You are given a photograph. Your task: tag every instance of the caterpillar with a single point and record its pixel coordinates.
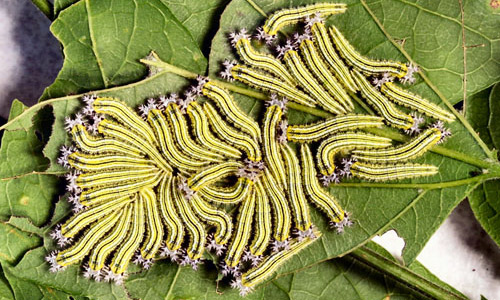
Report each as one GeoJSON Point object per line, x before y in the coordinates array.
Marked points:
{"type": "Point", "coordinates": [271, 150]}
{"type": "Point", "coordinates": [120, 111]}
{"type": "Point", "coordinates": [385, 172]}
{"type": "Point", "coordinates": [411, 150]}
{"type": "Point", "coordinates": [116, 176]}
{"type": "Point", "coordinates": [154, 237]}
{"type": "Point", "coordinates": [364, 64]}
{"type": "Point", "coordinates": [229, 108]}
{"type": "Point", "coordinates": [90, 238]}
{"type": "Point", "coordinates": [263, 61]}
{"type": "Point", "coordinates": [181, 135]}
{"type": "Point", "coordinates": [231, 135]}
{"type": "Point", "coordinates": [286, 17]}
{"type": "Point", "coordinates": [281, 209]}
{"type": "Point", "coordinates": [131, 243]}
{"type": "Point", "coordinates": [205, 137]}
{"type": "Point", "coordinates": [326, 202]}
{"type": "Point", "coordinates": [116, 131]}
{"type": "Point", "coordinates": [170, 215]}
{"type": "Point", "coordinates": [295, 190]}
{"type": "Point", "coordinates": [227, 195]}
{"type": "Point", "coordinates": [195, 228]}
{"type": "Point", "coordinates": [344, 141]}
{"type": "Point", "coordinates": [212, 174]}
{"type": "Point", "coordinates": [408, 99]}
{"type": "Point", "coordinates": [266, 269]}
{"type": "Point", "coordinates": [171, 151]}
{"type": "Point", "coordinates": [105, 246]}
{"type": "Point", "coordinates": [84, 141]}
{"type": "Point", "coordinates": [262, 221]}
{"type": "Point", "coordinates": [212, 216]}
{"type": "Point", "coordinates": [313, 132]}
{"type": "Point", "coordinates": [242, 231]}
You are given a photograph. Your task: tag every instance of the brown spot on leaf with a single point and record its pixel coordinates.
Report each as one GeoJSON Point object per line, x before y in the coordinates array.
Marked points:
{"type": "Point", "coordinates": [24, 200]}
{"type": "Point", "coordinates": [5, 256]}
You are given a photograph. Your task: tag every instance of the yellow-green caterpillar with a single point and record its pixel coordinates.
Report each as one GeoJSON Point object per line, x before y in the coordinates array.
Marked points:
{"type": "Point", "coordinates": [286, 17]}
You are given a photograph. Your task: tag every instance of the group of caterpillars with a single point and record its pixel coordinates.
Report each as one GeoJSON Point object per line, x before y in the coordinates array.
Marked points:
{"type": "Point", "coordinates": [157, 184]}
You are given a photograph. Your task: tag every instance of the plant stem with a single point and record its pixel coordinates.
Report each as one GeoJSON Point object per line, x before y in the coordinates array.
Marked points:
{"type": "Point", "coordinates": [45, 7]}
{"type": "Point", "coordinates": [58, 173]}
{"type": "Point", "coordinates": [424, 186]}
{"type": "Point", "coordinates": [403, 274]}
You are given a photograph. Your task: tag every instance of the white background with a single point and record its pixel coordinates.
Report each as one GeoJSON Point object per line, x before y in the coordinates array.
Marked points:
{"type": "Point", "coordinates": [460, 252]}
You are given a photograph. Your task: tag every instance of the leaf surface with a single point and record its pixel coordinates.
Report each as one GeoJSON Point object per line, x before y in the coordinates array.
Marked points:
{"type": "Point", "coordinates": [483, 110]}
{"type": "Point", "coordinates": [22, 192]}
{"type": "Point", "coordinates": [104, 40]}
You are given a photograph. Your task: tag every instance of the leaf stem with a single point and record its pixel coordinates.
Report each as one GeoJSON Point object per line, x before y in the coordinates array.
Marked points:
{"type": "Point", "coordinates": [459, 116]}
{"type": "Point", "coordinates": [257, 8]}
{"type": "Point", "coordinates": [33, 173]}
{"type": "Point", "coordinates": [386, 132]}
{"type": "Point", "coordinates": [34, 108]}
{"type": "Point", "coordinates": [424, 186]}
{"type": "Point", "coordinates": [45, 7]}
{"type": "Point", "coordinates": [403, 274]}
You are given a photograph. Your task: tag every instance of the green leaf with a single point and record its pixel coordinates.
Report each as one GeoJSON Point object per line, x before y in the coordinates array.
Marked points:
{"type": "Point", "coordinates": [5, 290]}
{"type": "Point", "coordinates": [485, 203]}
{"type": "Point", "coordinates": [14, 242]}
{"type": "Point", "coordinates": [483, 110]}
{"type": "Point", "coordinates": [94, 60]}
{"type": "Point", "coordinates": [59, 5]}
{"type": "Point", "coordinates": [415, 266]}
{"type": "Point", "coordinates": [31, 276]}
{"type": "Point", "coordinates": [24, 190]}
{"type": "Point", "coordinates": [102, 48]}
{"type": "Point", "coordinates": [479, 114]}
{"type": "Point", "coordinates": [198, 17]}
{"type": "Point", "coordinates": [326, 280]}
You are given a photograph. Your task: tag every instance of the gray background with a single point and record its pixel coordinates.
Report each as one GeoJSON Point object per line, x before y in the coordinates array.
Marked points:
{"type": "Point", "coordinates": [460, 252]}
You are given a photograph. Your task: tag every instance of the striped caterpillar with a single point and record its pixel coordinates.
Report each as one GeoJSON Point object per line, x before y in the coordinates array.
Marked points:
{"type": "Point", "coordinates": [149, 185]}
